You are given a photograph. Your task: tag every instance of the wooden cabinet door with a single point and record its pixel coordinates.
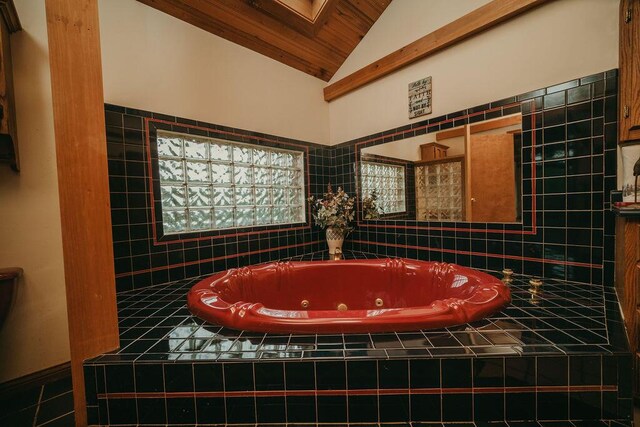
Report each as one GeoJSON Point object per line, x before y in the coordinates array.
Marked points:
{"type": "Point", "coordinates": [629, 82]}
{"type": "Point", "coordinates": [492, 181]}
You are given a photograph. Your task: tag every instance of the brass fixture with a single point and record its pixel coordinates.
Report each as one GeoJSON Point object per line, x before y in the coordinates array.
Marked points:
{"type": "Point", "coordinates": [304, 303]}
{"type": "Point", "coordinates": [337, 255]}
{"type": "Point", "coordinates": [507, 275]}
{"type": "Point", "coordinates": [535, 299]}
{"type": "Point", "coordinates": [536, 286]}
{"type": "Point", "coordinates": [342, 307]}
{"type": "Point", "coordinates": [379, 302]}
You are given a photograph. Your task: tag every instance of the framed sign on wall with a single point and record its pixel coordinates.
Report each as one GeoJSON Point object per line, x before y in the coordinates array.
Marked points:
{"type": "Point", "coordinates": [420, 98]}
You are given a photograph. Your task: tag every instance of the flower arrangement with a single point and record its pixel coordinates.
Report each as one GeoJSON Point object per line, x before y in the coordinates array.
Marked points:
{"type": "Point", "coordinates": [334, 210]}
{"type": "Point", "coordinates": [370, 209]}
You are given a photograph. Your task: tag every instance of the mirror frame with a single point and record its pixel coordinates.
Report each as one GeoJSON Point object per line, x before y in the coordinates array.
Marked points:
{"type": "Point", "coordinates": [528, 192]}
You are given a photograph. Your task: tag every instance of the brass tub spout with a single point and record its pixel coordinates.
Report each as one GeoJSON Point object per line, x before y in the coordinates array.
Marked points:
{"type": "Point", "coordinates": [337, 255]}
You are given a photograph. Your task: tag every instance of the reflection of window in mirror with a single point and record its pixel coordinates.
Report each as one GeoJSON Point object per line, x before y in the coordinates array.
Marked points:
{"type": "Point", "coordinates": [468, 173]}
{"type": "Point", "coordinates": [387, 178]}
{"type": "Point", "coordinates": [439, 189]}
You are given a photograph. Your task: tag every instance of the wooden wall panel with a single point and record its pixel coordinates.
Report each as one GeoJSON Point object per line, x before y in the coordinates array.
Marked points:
{"type": "Point", "coordinates": [78, 107]}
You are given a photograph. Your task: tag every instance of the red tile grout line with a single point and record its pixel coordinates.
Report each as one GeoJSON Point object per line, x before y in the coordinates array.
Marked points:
{"type": "Point", "coordinates": [200, 261]}
{"type": "Point", "coordinates": [454, 251]}
{"type": "Point", "coordinates": [358, 392]}
{"type": "Point", "coordinates": [533, 230]}
{"type": "Point", "coordinates": [157, 242]}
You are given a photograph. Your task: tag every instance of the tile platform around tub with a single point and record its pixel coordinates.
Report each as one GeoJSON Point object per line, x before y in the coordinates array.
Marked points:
{"type": "Point", "coordinates": [558, 359]}
{"type": "Point", "coordinates": [417, 424]}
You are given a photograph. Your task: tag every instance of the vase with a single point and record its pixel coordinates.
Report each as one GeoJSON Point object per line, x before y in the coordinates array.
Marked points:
{"type": "Point", "coordinates": [334, 240]}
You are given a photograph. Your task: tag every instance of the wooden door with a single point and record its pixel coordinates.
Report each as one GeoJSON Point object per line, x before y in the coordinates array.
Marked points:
{"type": "Point", "coordinates": [629, 90]}
{"type": "Point", "coordinates": [492, 183]}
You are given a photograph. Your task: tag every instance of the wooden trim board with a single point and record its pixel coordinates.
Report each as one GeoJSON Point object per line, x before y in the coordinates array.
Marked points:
{"type": "Point", "coordinates": [81, 154]}
{"type": "Point", "coordinates": [475, 22]}
{"type": "Point", "coordinates": [468, 205]}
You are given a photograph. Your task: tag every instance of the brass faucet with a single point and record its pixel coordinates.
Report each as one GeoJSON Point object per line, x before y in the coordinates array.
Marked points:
{"type": "Point", "coordinates": [536, 291]}
{"type": "Point", "coordinates": [337, 254]}
{"type": "Point", "coordinates": [507, 279]}
{"type": "Point", "coordinates": [536, 286]}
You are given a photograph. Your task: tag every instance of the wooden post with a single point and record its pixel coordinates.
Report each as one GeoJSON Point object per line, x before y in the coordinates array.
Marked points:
{"type": "Point", "coordinates": [78, 109]}
{"type": "Point", "coordinates": [468, 195]}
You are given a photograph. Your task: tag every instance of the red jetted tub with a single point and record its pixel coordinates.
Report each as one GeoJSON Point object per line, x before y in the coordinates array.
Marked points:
{"type": "Point", "coordinates": [379, 295]}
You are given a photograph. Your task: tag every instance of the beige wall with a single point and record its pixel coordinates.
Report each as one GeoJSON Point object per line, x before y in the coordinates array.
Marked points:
{"type": "Point", "coordinates": [35, 335]}
{"type": "Point", "coordinates": [155, 62]}
{"type": "Point", "coordinates": [559, 41]}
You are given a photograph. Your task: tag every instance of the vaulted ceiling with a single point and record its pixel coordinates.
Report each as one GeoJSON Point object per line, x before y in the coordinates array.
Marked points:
{"type": "Point", "coordinates": [313, 36]}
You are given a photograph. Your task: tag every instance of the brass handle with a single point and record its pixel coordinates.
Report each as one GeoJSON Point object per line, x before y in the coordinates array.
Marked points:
{"type": "Point", "coordinates": [473, 199]}
{"type": "Point", "coordinates": [507, 275]}
{"type": "Point", "coordinates": [304, 303]}
{"type": "Point", "coordinates": [379, 302]}
{"type": "Point", "coordinates": [342, 307]}
{"type": "Point", "coordinates": [536, 286]}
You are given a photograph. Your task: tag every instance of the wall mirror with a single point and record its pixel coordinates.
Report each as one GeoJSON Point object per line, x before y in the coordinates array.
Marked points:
{"type": "Point", "coordinates": [470, 173]}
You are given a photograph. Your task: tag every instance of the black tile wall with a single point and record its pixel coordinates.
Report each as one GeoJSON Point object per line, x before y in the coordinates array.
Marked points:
{"type": "Point", "coordinates": [569, 156]}
{"type": "Point", "coordinates": [142, 256]}
{"type": "Point", "coordinates": [569, 133]}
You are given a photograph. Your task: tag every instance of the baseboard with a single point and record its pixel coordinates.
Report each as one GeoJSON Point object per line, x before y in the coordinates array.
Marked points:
{"type": "Point", "coordinates": [35, 379]}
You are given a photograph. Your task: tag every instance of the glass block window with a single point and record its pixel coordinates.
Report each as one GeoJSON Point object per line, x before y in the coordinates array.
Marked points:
{"type": "Point", "coordinates": [439, 193]}
{"type": "Point", "coordinates": [388, 181]}
{"type": "Point", "coordinates": [211, 184]}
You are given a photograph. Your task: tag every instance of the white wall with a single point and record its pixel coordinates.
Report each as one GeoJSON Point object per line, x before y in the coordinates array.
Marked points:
{"type": "Point", "coordinates": [155, 62]}
{"type": "Point", "coordinates": [558, 41]}
{"type": "Point", "coordinates": [35, 335]}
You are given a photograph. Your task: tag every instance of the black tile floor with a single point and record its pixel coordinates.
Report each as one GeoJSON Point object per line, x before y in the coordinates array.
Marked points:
{"type": "Point", "coordinates": [49, 405]}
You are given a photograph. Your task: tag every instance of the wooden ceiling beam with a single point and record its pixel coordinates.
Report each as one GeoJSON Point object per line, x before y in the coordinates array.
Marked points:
{"type": "Point", "coordinates": [477, 21]}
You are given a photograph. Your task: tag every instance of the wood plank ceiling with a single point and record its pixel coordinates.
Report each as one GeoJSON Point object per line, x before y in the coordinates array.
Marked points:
{"type": "Point", "coordinates": [313, 36]}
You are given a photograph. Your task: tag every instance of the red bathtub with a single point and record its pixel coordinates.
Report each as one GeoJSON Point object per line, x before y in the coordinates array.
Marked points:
{"type": "Point", "coordinates": [379, 295]}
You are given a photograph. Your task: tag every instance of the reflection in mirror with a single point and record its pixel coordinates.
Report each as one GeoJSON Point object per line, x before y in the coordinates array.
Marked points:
{"type": "Point", "coordinates": [467, 173]}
